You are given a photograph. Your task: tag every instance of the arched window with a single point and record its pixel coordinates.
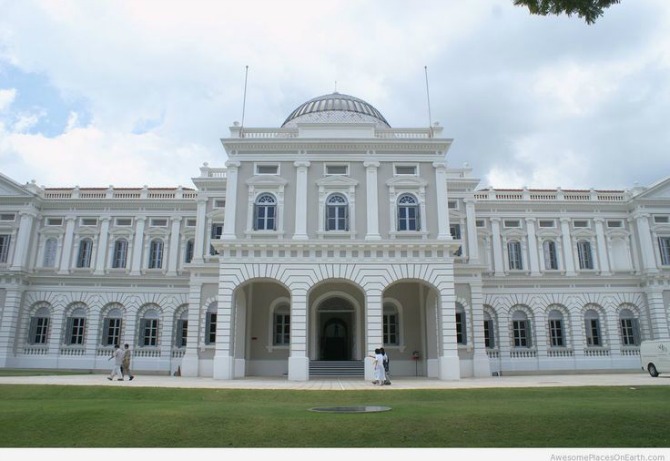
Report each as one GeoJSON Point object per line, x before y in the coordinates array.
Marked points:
{"type": "Point", "coordinates": [190, 247]}
{"type": "Point", "coordinates": [584, 254]}
{"type": "Point", "coordinates": [265, 212]}
{"type": "Point", "coordinates": [521, 329]}
{"type": "Point", "coordinates": [76, 323]}
{"type": "Point", "coordinates": [550, 255]}
{"type": "Point", "coordinates": [50, 248]}
{"type": "Point", "coordinates": [514, 255]}
{"type": "Point", "coordinates": [156, 254]}
{"type": "Point", "coordinates": [39, 326]}
{"type": "Point", "coordinates": [592, 328]}
{"type": "Point", "coordinates": [556, 329]}
{"type": "Point", "coordinates": [111, 327]}
{"type": "Point", "coordinates": [337, 213]}
{"type": "Point", "coordinates": [149, 328]}
{"type": "Point", "coordinates": [489, 332]}
{"type": "Point", "coordinates": [282, 325]}
{"type": "Point", "coordinates": [120, 255]}
{"type": "Point", "coordinates": [85, 252]}
{"type": "Point", "coordinates": [630, 328]}
{"type": "Point", "coordinates": [461, 329]}
{"type": "Point", "coordinates": [391, 325]}
{"type": "Point", "coordinates": [408, 213]}
{"type": "Point", "coordinates": [210, 324]}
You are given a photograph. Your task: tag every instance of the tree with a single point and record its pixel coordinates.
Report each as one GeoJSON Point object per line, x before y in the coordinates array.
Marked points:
{"type": "Point", "coordinates": [590, 10]}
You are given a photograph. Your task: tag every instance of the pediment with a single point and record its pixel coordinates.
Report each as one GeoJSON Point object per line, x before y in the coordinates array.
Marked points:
{"type": "Point", "coordinates": [659, 190]}
{"type": "Point", "coordinates": [407, 181]}
{"type": "Point", "coordinates": [266, 180]}
{"type": "Point", "coordinates": [337, 181]}
{"type": "Point", "coordinates": [10, 188]}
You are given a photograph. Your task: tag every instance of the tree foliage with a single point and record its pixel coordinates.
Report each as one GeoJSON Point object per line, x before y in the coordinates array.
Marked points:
{"type": "Point", "coordinates": [589, 10]}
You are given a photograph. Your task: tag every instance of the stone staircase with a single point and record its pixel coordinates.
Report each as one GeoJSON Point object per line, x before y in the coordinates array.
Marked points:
{"type": "Point", "coordinates": [336, 369]}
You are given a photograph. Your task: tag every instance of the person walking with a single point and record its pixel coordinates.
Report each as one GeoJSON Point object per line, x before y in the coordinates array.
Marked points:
{"type": "Point", "coordinates": [117, 355]}
{"type": "Point", "coordinates": [125, 367]}
{"type": "Point", "coordinates": [380, 376]}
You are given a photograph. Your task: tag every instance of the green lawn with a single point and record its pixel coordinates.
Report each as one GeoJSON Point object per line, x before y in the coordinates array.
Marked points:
{"type": "Point", "coordinates": [96, 416]}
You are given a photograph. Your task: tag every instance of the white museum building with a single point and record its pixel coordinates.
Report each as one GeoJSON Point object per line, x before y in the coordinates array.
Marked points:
{"type": "Point", "coordinates": [316, 242]}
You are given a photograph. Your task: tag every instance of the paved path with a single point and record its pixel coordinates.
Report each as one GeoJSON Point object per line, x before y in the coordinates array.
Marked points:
{"type": "Point", "coordinates": [602, 379]}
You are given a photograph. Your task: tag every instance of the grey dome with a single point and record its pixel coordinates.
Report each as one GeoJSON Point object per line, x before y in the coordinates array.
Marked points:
{"type": "Point", "coordinates": [336, 108]}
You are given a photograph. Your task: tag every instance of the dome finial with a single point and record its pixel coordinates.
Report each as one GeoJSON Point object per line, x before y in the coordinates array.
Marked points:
{"type": "Point", "coordinates": [335, 87]}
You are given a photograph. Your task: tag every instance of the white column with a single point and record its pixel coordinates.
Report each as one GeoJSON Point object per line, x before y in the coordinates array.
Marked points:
{"type": "Point", "coordinates": [374, 335]}
{"type": "Point", "coordinates": [200, 229]}
{"type": "Point", "coordinates": [373, 200]}
{"type": "Point", "coordinates": [102, 246]}
{"type": "Point", "coordinates": [532, 247]}
{"type": "Point", "coordinates": [567, 248]}
{"type": "Point", "coordinates": [231, 199]}
{"type": "Point", "coordinates": [225, 321]}
{"type": "Point", "coordinates": [658, 311]}
{"type": "Point", "coordinates": [442, 200]}
{"type": "Point", "coordinates": [138, 246]}
{"type": "Point", "coordinates": [9, 324]}
{"type": "Point", "coordinates": [190, 361]}
{"type": "Point", "coordinates": [66, 254]}
{"type": "Point", "coordinates": [646, 244]}
{"type": "Point", "coordinates": [298, 362]}
{"type": "Point", "coordinates": [603, 257]}
{"type": "Point", "coordinates": [173, 254]}
{"type": "Point", "coordinates": [482, 367]}
{"type": "Point", "coordinates": [496, 242]}
{"type": "Point", "coordinates": [471, 223]}
{"type": "Point", "coordinates": [301, 200]}
{"type": "Point", "coordinates": [449, 363]}
{"type": "Point", "coordinates": [23, 240]}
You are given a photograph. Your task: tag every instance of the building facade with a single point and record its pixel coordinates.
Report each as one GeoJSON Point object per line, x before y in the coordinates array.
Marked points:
{"type": "Point", "coordinates": [322, 240]}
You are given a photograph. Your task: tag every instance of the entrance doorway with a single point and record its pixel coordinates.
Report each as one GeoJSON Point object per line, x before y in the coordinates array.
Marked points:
{"type": "Point", "coordinates": [335, 322]}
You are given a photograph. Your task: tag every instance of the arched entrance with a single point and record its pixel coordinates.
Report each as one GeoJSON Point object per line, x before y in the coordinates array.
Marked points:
{"type": "Point", "coordinates": [335, 320]}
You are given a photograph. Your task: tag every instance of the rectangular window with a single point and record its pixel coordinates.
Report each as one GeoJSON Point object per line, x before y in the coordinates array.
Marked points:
{"type": "Point", "coordinates": [547, 223]}
{"type": "Point", "coordinates": [39, 328]}
{"type": "Point", "coordinates": [158, 222]}
{"type": "Point", "coordinates": [480, 223]}
{"type": "Point", "coordinates": [54, 221]}
{"type": "Point", "coordinates": [455, 231]}
{"type": "Point", "coordinates": [489, 340]}
{"type": "Point", "coordinates": [584, 254]}
{"type": "Point", "coordinates": [592, 332]}
{"type": "Point", "coordinates": [514, 255]}
{"type": "Point", "coordinates": [453, 204]}
{"type": "Point", "coordinates": [89, 222]}
{"type": "Point", "coordinates": [216, 233]}
{"type": "Point", "coordinates": [661, 219]}
{"type": "Point", "coordinates": [7, 217]}
{"type": "Point", "coordinates": [405, 170]}
{"type": "Point", "coordinates": [111, 332]}
{"type": "Point", "coordinates": [210, 328]}
{"type": "Point", "coordinates": [629, 329]}
{"type": "Point", "coordinates": [460, 329]}
{"type": "Point", "coordinates": [580, 224]}
{"type": "Point", "coordinates": [191, 222]}
{"type": "Point", "coordinates": [390, 329]}
{"type": "Point", "coordinates": [520, 328]}
{"type": "Point", "coordinates": [282, 336]}
{"type": "Point", "coordinates": [614, 224]}
{"type": "Point", "coordinates": [556, 333]}
{"type": "Point", "coordinates": [267, 169]}
{"type": "Point", "coordinates": [182, 333]}
{"type": "Point", "coordinates": [512, 223]}
{"type": "Point", "coordinates": [149, 332]}
{"type": "Point", "coordinates": [219, 203]}
{"type": "Point", "coordinates": [85, 252]}
{"type": "Point", "coordinates": [664, 248]}
{"type": "Point", "coordinates": [550, 255]}
{"type": "Point", "coordinates": [123, 222]}
{"type": "Point", "coordinates": [337, 170]}
{"type": "Point", "coordinates": [5, 239]}
{"type": "Point", "coordinates": [76, 330]}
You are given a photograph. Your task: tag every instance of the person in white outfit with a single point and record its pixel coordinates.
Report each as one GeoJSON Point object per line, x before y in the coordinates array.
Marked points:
{"type": "Point", "coordinates": [380, 376]}
{"type": "Point", "coordinates": [117, 355]}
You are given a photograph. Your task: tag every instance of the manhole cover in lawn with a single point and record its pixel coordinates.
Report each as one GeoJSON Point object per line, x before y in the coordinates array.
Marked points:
{"type": "Point", "coordinates": [363, 409]}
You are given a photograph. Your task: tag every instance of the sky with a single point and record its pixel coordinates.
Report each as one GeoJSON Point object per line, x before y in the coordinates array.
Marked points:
{"type": "Point", "coordinates": [139, 92]}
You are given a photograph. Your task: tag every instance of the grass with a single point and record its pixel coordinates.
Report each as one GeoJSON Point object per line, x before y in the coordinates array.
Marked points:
{"type": "Point", "coordinates": [97, 417]}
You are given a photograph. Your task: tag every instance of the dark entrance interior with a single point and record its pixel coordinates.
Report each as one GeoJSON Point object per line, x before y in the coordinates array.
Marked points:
{"type": "Point", "coordinates": [335, 340]}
